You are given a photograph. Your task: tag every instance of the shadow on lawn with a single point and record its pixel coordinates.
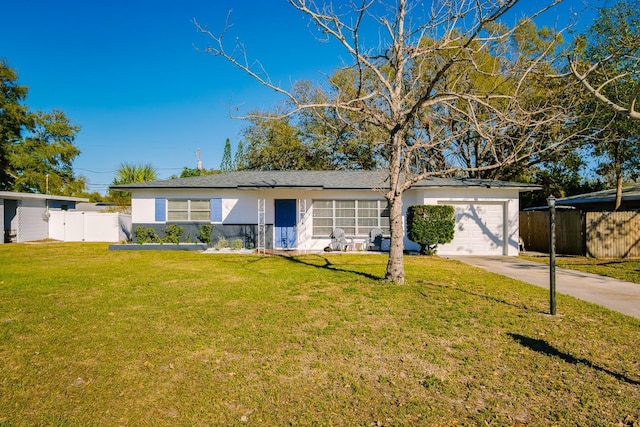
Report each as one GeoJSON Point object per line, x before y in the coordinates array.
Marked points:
{"type": "Point", "coordinates": [328, 265]}
{"type": "Point", "coordinates": [544, 347]}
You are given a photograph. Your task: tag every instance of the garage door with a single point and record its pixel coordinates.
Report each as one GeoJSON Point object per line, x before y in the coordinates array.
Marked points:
{"type": "Point", "coordinates": [479, 230]}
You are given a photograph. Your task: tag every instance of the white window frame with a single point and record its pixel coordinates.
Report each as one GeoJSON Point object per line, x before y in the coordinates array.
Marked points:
{"type": "Point", "coordinates": [357, 229]}
{"type": "Point", "coordinates": [189, 210]}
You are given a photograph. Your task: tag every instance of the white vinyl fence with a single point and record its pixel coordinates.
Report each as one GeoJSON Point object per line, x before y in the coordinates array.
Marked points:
{"type": "Point", "coordinates": [69, 226]}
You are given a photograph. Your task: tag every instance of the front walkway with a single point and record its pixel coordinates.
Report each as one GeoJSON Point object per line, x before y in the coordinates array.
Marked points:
{"type": "Point", "coordinates": [611, 293]}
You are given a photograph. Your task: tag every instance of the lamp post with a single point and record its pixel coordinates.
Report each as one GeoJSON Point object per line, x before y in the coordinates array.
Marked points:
{"type": "Point", "coordinates": [551, 201]}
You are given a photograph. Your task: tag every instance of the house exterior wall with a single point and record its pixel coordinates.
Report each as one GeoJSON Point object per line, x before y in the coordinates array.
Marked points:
{"type": "Point", "coordinates": [240, 214]}
{"type": "Point", "coordinates": [32, 224]}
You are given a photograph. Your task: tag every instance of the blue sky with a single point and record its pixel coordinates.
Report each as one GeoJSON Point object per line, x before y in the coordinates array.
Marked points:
{"type": "Point", "coordinates": [128, 72]}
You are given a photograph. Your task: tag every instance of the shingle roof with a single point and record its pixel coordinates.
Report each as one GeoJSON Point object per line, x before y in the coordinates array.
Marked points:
{"type": "Point", "coordinates": [604, 196]}
{"type": "Point", "coordinates": [343, 180]}
{"type": "Point", "coordinates": [20, 196]}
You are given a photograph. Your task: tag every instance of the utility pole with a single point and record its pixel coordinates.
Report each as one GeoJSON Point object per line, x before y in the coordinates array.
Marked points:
{"type": "Point", "coordinates": [198, 161]}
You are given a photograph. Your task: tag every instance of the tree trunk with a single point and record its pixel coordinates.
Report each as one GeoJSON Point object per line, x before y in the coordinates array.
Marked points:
{"type": "Point", "coordinates": [618, 190]}
{"type": "Point", "coordinates": [395, 265]}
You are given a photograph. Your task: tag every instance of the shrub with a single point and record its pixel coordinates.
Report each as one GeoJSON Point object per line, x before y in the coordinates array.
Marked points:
{"type": "Point", "coordinates": [204, 233]}
{"type": "Point", "coordinates": [172, 234]}
{"type": "Point", "coordinates": [430, 225]}
{"type": "Point", "coordinates": [237, 244]}
{"type": "Point", "coordinates": [146, 235]}
{"type": "Point", "coordinates": [222, 243]}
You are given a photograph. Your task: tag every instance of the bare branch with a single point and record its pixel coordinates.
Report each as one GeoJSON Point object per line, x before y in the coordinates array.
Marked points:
{"type": "Point", "coordinates": [583, 78]}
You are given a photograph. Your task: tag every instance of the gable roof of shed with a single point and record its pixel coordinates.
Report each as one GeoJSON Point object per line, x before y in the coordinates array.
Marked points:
{"type": "Point", "coordinates": [320, 180]}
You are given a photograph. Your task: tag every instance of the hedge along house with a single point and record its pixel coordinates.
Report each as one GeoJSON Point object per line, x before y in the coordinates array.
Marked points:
{"type": "Point", "coordinates": [25, 216]}
{"type": "Point", "coordinates": [298, 210]}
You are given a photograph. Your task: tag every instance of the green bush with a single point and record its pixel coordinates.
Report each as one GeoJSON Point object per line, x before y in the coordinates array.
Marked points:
{"type": "Point", "coordinates": [146, 235]}
{"type": "Point", "coordinates": [237, 244]}
{"type": "Point", "coordinates": [222, 243]}
{"type": "Point", "coordinates": [204, 233]}
{"type": "Point", "coordinates": [172, 234]}
{"type": "Point", "coordinates": [430, 225]}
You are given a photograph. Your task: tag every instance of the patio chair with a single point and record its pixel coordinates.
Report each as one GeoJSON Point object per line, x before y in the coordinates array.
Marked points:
{"type": "Point", "coordinates": [374, 242]}
{"type": "Point", "coordinates": [339, 242]}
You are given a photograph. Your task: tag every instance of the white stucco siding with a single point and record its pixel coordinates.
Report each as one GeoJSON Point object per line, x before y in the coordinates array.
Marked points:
{"type": "Point", "coordinates": [32, 224]}
{"type": "Point", "coordinates": [143, 208]}
{"type": "Point", "coordinates": [237, 207]}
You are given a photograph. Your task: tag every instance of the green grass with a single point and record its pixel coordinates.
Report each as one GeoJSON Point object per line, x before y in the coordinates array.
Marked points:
{"type": "Point", "coordinates": [93, 337]}
{"type": "Point", "coordinates": [622, 269]}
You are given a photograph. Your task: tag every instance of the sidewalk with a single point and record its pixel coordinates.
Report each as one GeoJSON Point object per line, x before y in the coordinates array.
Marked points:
{"type": "Point", "coordinates": [617, 295]}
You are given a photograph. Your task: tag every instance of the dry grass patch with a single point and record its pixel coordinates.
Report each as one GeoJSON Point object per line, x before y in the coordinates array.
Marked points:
{"type": "Point", "coordinates": [92, 337]}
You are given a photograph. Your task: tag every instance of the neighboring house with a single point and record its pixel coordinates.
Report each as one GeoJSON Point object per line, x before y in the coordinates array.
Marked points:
{"type": "Point", "coordinates": [604, 200]}
{"type": "Point", "coordinates": [25, 216]}
{"type": "Point", "coordinates": [94, 207]}
{"type": "Point", "coordinates": [300, 209]}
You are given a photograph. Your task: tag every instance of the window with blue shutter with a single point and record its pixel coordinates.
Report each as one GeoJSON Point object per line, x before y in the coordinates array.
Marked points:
{"type": "Point", "coordinates": [161, 210]}
{"type": "Point", "coordinates": [216, 210]}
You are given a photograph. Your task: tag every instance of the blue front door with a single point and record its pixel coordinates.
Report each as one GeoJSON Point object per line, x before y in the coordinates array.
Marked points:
{"type": "Point", "coordinates": [285, 223]}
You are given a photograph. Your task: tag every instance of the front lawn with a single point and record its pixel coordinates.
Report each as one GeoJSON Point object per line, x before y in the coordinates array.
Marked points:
{"type": "Point", "coordinates": [107, 338]}
{"type": "Point", "coordinates": [622, 269]}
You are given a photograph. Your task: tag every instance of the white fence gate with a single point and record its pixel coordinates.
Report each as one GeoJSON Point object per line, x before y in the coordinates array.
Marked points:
{"type": "Point", "coordinates": [89, 226]}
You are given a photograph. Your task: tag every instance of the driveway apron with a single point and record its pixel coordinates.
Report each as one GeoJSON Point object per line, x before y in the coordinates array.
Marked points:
{"type": "Point", "coordinates": [617, 295]}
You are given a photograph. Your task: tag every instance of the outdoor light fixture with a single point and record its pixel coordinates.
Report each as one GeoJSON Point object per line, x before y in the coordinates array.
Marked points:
{"type": "Point", "coordinates": [551, 201]}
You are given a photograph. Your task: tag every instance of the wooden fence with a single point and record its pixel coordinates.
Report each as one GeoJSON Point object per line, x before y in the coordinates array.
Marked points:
{"type": "Point", "coordinates": [612, 234]}
{"type": "Point", "coordinates": [595, 234]}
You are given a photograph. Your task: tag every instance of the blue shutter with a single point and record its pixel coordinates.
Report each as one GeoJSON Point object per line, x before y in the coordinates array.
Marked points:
{"type": "Point", "coordinates": [161, 210]}
{"type": "Point", "coordinates": [216, 210]}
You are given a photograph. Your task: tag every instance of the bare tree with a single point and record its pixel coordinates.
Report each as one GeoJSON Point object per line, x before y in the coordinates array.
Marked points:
{"type": "Point", "coordinates": [439, 71]}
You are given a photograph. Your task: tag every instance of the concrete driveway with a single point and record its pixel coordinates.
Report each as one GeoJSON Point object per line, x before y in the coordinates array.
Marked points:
{"type": "Point", "coordinates": [611, 293]}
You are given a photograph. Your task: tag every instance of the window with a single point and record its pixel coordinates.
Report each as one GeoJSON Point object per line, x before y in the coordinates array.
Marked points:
{"type": "Point", "coordinates": [355, 217]}
{"type": "Point", "coordinates": [188, 210]}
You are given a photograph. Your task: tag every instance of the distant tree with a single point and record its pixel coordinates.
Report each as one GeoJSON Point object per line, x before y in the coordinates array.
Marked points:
{"type": "Point", "coordinates": [226, 165]}
{"type": "Point", "coordinates": [558, 179]}
{"type": "Point", "coordinates": [607, 62]}
{"type": "Point", "coordinates": [36, 148]}
{"type": "Point", "coordinates": [334, 144]}
{"type": "Point", "coordinates": [239, 160]}
{"type": "Point", "coordinates": [275, 145]}
{"type": "Point", "coordinates": [189, 172]}
{"type": "Point", "coordinates": [129, 173]}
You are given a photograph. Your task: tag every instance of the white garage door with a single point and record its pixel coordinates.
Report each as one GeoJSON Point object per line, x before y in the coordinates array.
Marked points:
{"type": "Point", "coordinates": [479, 230]}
